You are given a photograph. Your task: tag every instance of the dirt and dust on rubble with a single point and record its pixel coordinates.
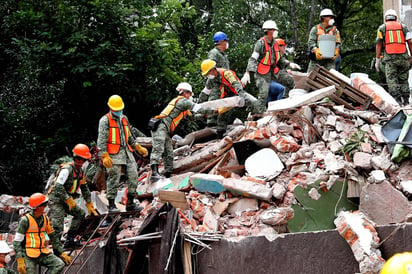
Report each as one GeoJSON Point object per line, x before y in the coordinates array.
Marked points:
{"type": "Point", "coordinates": [338, 146]}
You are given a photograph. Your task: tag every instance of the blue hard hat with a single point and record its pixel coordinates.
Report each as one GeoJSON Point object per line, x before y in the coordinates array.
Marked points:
{"type": "Point", "coordinates": [219, 36]}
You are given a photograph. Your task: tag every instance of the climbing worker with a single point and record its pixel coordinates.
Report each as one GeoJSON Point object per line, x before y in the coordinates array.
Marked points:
{"type": "Point", "coordinates": [116, 143]}
{"type": "Point", "coordinates": [325, 27]}
{"type": "Point", "coordinates": [68, 180]}
{"type": "Point", "coordinates": [30, 242]}
{"type": "Point", "coordinates": [392, 40]}
{"type": "Point", "coordinates": [225, 83]}
{"type": "Point", "coordinates": [5, 258]}
{"type": "Point", "coordinates": [163, 125]}
{"type": "Point", "coordinates": [265, 61]}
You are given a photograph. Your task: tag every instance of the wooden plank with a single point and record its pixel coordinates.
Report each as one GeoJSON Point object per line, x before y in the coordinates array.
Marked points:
{"type": "Point", "coordinates": [176, 198]}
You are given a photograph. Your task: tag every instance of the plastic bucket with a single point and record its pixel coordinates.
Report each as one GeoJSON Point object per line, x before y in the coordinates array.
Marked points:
{"type": "Point", "coordinates": [327, 44]}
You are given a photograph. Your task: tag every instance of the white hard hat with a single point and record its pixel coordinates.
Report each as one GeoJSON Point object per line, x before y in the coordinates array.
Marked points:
{"type": "Point", "coordinates": [326, 12]}
{"type": "Point", "coordinates": [183, 87]}
{"type": "Point", "coordinates": [269, 24]}
{"type": "Point", "coordinates": [390, 15]}
{"type": "Point", "coordinates": [4, 247]}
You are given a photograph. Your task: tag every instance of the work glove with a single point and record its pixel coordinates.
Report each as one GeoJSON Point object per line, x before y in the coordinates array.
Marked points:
{"type": "Point", "coordinates": [142, 150]}
{"type": "Point", "coordinates": [222, 110]}
{"type": "Point", "coordinates": [294, 66]}
{"type": "Point", "coordinates": [245, 79]}
{"type": "Point", "coordinates": [71, 203]}
{"type": "Point", "coordinates": [21, 265]}
{"type": "Point", "coordinates": [66, 258]}
{"type": "Point", "coordinates": [377, 64]}
{"type": "Point", "coordinates": [336, 54]}
{"type": "Point", "coordinates": [317, 53]}
{"type": "Point", "coordinates": [90, 209]}
{"type": "Point", "coordinates": [107, 161]}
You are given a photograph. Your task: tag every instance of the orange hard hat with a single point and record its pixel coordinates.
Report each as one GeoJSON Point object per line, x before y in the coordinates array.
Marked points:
{"type": "Point", "coordinates": [37, 199]}
{"type": "Point", "coordinates": [280, 42]}
{"type": "Point", "coordinates": [82, 151]}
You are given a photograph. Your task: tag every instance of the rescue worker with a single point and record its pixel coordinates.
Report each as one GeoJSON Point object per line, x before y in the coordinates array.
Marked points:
{"type": "Point", "coordinates": [392, 39]}
{"type": "Point", "coordinates": [265, 61]}
{"type": "Point", "coordinates": [167, 121]}
{"type": "Point", "coordinates": [225, 83]}
{"type": "Point", "coordinates": [400, 263]}
{"type": "Point", "coordinates": [5, 258]}
{"type": "Point", "coordinates": [69, 178]}
{"type": "Point", "coordinates": [34, 231]}
{"type": "Point", "coordinates": [116, 144]}
{"type": "Point", "coordinates": [326, 26]}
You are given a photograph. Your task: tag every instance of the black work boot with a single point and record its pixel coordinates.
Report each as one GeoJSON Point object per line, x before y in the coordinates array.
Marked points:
{"type": "Point", "coordinates": [112, 206]}
{"type": "Point", "coordinates": [155, 173]}
{"type": "Point", "coordinates": [131, 206]}
{"type": "Point", "coordinates": [168, 174]}
{"type": "Point", "coordinates": [70, 242]}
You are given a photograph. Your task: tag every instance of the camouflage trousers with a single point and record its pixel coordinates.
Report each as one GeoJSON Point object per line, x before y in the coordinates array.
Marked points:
{"type": "Point", "coordinates": [57, 213]}
{"type": "Point", "coordinates": [326, 63]}
{"type": "Point", "coordinates": [212, 118]}
{"type": "Point", "coordinates": [54, 264]}
{"type": "Point", "coordinates": [113, 179]}
{"type": "Point", "coordinates": [397, 73]}
{"type": "Point", "coordinates": [285, 79]}
{"type": "Point", "coordinates": [162, 148]}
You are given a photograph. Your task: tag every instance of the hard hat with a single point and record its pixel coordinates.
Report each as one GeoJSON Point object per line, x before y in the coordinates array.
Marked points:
{"type": "Point", "coordinates": [390, 15]}
{"type": "Point", "coordinates": [219, 36]}
{"type": "Point", "coordinates": [269, 24]}
{"type": "Point", "coordinates": [207, 65]}
{"type": "Point", "coordinates": [280, 42]}
{"type": "Point", "coordinates": [37, 199]}
{"type": "Point", "coordinates": [326, 12]}
{"type": "Point", "coordinates": [82, 151]}
{"type": "Point", "coordinates": [400, 263]}
{"type": "Point", "coordinates": [182, 87]}
{"type": "Point", "coordinates": [4, 247]}
{"type": "Point", "coordinates": [115, 103]}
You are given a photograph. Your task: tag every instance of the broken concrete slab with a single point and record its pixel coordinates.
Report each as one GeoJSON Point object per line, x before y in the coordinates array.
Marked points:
{"type": "Point", "coordinates": [207, 182]}
{"type": "Point", "coordinates": [264, 163]}
{"type": "Point", "coordinates": [248, 189]}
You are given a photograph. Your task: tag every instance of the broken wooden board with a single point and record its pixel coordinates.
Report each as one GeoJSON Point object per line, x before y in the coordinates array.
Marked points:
{"type": "Point", "coordinates": [315, 215]}
{"type": "Point", "coordinates": [176, 198]}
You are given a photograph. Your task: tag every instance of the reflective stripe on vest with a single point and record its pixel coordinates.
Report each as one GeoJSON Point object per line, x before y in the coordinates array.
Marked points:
{"type": "Point", "coordinates": [169, 108]}
{"type": "Point", "coordinates": [226, 83]}
{"type": "Point", "coordinates": [265, 63]}
{"type": "Point", "coordinates": [394, 38]}
{"type": "Point", "coordinates": [113, 142]}
{"type": "Point", "coordinates": [321, 31]}
{"type": "Point", "coordinates": [36, 237]}
{"type": "Point", "coordinates": [78, 179]}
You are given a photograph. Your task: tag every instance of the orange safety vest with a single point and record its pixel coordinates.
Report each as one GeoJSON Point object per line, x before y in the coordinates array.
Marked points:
{"type": "Point", "coordinates": [394, 38]}
{"type": "Point", "coordinates": [321, 31]}
{"type": "Point", "coordinates": [265, 63]}
{"type": "Point", "coordinates": [226, 83]}
{"type": "Point", "coordinates": [78, 179]}
{"type": "Point", "coordinates": [113, 142]}
{"type": "Point", "coordinates": [169, 108]}
{"type": "Point", "coordinates": [36, 237]}
{"type": "Point", "coordinates": [2, 265]}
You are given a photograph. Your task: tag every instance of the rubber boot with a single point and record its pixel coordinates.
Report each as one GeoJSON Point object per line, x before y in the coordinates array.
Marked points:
{"type": "Point", "coordinates": [155, 173]}
{"type": "Point", "coordinates": [168, 174]}
{"type": "Point", "coordinates": [112, 206]}
{"type": "Point", "coordinates": [131, 206]}
{"type": "Point", "coordinates": [70, 242]}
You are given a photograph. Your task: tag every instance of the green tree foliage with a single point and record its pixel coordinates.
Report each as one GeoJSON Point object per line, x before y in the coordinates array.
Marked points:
{"type": "Point", "coordinates": [62, 59]}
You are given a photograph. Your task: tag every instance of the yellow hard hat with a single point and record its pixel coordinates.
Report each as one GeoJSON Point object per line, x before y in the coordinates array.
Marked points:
{"type": "Point", "coordinates": [400, 263]}
{"type": "Point", "coordinates": [207, 65]}
{"type": "Point", "coordinates": [115, 103]}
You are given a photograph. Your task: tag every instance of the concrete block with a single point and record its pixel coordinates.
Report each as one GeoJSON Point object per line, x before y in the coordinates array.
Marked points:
{"type": "Point", "coordinates": [248, 189]}
{"type": "Point", "coordinates": [264, 163]}
{"type": "Point", "coordinates": [277, 216]}
{"type": "Point", "coordinates": [362, 160]}
{"type": "Point", "coordinates": [244, 204]}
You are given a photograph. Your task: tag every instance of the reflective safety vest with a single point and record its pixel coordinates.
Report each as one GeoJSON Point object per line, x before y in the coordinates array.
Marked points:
{"type": "Point", "coordinates": [169, 108]}
{"type": "Point", "coordinates": [321, 31]}
{"type": "Point", "coordinates": [2, 265]}
{"type": "Point", "coordinates": [394, 38]}
{"type": "Point", "coordinates": [265, 65]}
{"type": "Point", "coordinates": [113, 142]}
{"type": "Point", "coordinates": [78, 179]}
{"type": "Point", "coordinates": [226, 84]}
{"type": "Point", "coordinates": [36, 237]}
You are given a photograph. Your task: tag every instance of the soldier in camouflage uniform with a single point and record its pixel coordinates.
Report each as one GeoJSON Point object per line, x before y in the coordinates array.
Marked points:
{"type": "Point", "coordinates": [69, 179]}
{"type": "Point", "coordinates": [265, 62]}
{"type": "Point", "coordinates": [30, 244]}
{"type": "Point", "coordinates": [224, 83]}
{"type": "Point", "coordinates": [325, 26]}
{"type": "Point", "coordinates": [392, 37]}
{"type": "Point", "coordinates": [169, 119]}
{"type": "Point", "coordinates": [116, 144]}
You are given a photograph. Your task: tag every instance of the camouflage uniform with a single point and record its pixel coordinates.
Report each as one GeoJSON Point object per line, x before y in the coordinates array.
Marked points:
{"type": "Point", "coordinates": [59, 193]}
{"type": "Point", "coordinates": [396, 69]}
{"type": "Point", "coordinates": [124, 157]}
{"type": "Point", "coordinates": [162, 143]}
{"type": "Point", "coordinates": [51, 261]}
{"type": "Point", "coordinates": [6, 270]}
{"type": "Point", "coordinates": [263, 80]}
{"type": "Point", "coordinates": [313, 43]}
